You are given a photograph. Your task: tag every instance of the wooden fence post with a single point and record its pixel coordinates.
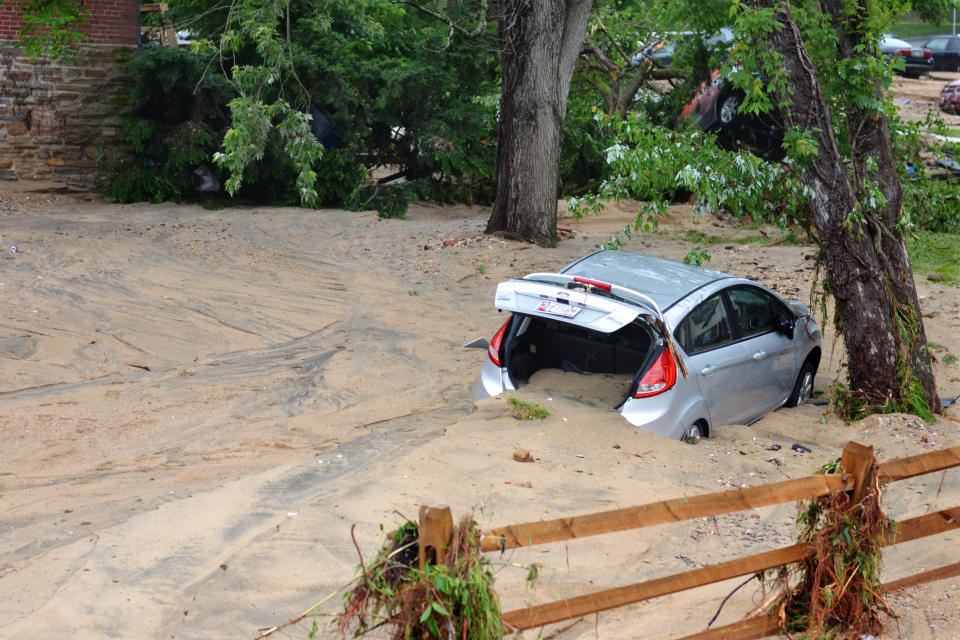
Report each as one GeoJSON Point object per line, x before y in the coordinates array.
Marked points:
{"type": "Point", "coordinates": [436, 529]}
{"type": "Point", "coordinates": [857, 460]}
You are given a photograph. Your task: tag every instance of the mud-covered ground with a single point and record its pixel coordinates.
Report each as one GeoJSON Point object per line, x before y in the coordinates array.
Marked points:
{"type": "Point", "coordinates": [196, 406]}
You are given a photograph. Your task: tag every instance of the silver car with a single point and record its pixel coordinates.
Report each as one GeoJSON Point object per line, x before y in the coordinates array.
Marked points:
{"type": "Point", "coordinates": [700, 348]}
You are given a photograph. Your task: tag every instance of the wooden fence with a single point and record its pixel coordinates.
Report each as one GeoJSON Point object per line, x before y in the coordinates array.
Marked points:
{"type": "Point", "coordinates": [436, 524]}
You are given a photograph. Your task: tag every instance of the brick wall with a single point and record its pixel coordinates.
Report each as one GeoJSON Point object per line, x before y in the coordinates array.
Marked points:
{"type": "Point", "coordinates": [109, 21]}
{"type": "Point", "coordinates": [56, 118]}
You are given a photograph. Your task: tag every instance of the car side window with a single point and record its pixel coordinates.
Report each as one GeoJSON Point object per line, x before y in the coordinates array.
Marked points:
{"type": "Point", "coordinates": [955, 44]}
{"type": "Point", "coordinates": [937, 44]}
{"type": "Point", "coordinates": [755, 310]}
{"type": "Point", "coordinates": [706, 327]}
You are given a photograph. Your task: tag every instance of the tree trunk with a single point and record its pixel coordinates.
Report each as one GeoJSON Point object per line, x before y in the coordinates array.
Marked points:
{"type": "Point", "coordinates": [539, 44]}
{"type": "Point", "coordinates": [869, 134]}
{"type": "Point", "coordinates": [866, 283]}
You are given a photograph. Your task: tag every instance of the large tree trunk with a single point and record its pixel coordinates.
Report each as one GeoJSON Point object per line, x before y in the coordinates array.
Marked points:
{"type": "Point", "coordinates": [870, 139]}
{"type": "Point", "coordinates": [867, 284]}
{"type": "Point", "coordinates": [539, 45]}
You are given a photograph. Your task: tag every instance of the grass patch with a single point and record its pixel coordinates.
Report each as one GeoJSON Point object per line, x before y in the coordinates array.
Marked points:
{"type": "Point", "coordinates": [523, 410]}
{"type": "Point", "coordinates": [790, 237]}
{"type": "Point", "coordinates": [935, 253]}
{"type": "Point", "coordinates": [912, 27]}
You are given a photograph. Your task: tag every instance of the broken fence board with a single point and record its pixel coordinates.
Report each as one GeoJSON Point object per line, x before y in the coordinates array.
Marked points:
{"type": "Point", "coordinates": [930, 462]}
{"type": "Point", "coordinates": [540, 615]}
{"type": "Point", "coordinates": [531, 533]}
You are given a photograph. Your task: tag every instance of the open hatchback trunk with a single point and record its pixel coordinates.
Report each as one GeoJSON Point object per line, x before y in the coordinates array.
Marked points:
{"type": "Point", "coordinates": [573, 324]}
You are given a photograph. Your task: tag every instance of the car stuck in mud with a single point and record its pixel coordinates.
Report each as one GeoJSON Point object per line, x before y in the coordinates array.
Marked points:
{"type": "Point", "coordinates": [693, 348]}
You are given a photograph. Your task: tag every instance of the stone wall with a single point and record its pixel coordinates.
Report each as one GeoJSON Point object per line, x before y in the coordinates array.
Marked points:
{"type": "Point", "coordinates": [57, 117]}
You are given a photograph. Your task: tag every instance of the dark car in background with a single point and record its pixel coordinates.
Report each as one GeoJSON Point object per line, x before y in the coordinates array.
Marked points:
{"type": "Point", "coordinates": [946, 52]}
{"type": "Point", "coordinates": [916, 60]}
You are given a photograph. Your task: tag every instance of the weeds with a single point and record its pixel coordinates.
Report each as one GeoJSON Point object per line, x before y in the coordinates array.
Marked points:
{"type": "Point", "coordinates": [523, 410]}
{"type": "Point", "coordinates": [452, 599]}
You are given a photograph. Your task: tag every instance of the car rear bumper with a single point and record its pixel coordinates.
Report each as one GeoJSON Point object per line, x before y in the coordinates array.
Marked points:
{"type": "Point", "coordinates": [493, 381]}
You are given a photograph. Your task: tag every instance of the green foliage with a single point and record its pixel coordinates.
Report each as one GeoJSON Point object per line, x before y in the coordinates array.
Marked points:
{"type": "Point", "coordinates": [523, 410]}
{"type": "Point", "coordinates": [582, 165]}
{"type": "Point", "coordinates": [652, 163]}
{"type": "Point", "coordinates": [698, 256]}
{"type": "Point", "coordinates": [51, 28]}
{"type": "Point", "coordinates": [175, 125]}
{"type": "Point", "coordinates": [403, 90]}
{"type": "Point", "coordinates": [454, 598]}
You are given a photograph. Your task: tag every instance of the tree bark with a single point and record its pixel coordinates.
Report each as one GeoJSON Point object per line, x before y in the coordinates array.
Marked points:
{"type": "Point", "coordinates": [867, 284]}
{"type": "Point", "coordinates": [539, 44]}
{"type": "Point", "coordinates": [869, 134]}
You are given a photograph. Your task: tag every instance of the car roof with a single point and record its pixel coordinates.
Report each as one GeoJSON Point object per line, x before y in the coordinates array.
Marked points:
{"type": "Point", "coordinates": [893, 41]}
{"type": "Point", "coordinates": [666, 281]}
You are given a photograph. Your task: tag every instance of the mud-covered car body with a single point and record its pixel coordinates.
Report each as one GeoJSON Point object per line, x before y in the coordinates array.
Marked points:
{"type": "Point", "coordinates": [701, 348]}
{"type": "Point", "coordinates": [950, 97]}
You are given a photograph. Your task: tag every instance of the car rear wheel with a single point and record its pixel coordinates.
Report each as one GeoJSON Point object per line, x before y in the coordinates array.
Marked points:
{"type": "Point", "coordinates": [694, 433]}
{"type": "Point", "coordinates": [803, 388]}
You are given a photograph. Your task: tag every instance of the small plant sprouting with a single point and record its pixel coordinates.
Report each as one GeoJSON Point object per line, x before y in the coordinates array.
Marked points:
{"type": "Point", "coordinates": [413, 293]}
{"type": "Point", "coordinates": [523, 410]}
{"type": "Point", "coordinates": [949, 358]}
{"type": "Point", "coordinates": [481, 269]}
{"type": "Point", "coordinates": [698, 256]}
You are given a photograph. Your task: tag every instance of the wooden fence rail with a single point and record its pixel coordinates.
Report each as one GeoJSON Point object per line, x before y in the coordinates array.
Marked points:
{"type": "Point", "coordinates": [856, 462]}
{"type": "Point", "coordinates": [531, 533]}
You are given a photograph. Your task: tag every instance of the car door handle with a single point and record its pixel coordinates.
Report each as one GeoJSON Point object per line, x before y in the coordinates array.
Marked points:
{"type": "Point", "coordinates": [706, 371]}
{"type": "Point", "coordinates": [759, 355]}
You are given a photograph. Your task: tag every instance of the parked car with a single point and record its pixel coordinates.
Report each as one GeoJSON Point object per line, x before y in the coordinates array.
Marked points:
{"type": "Point", "coordinates": [917, 60]}
{"type": "Point", "coordinates": [949, 97]}
{"type": "Point", "coordinates": [694, 348]}
{"type": "Point", "coordinates": [946, 52]}
{"type": "Point", "coordinates": [716, 107]}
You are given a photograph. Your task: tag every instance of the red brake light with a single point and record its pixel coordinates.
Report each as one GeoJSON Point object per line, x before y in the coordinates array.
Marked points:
{"type": "Point", "coordinates": [928, 54]}
{"type": "Point", "coordinates": [661, 376]}
{"type": "Point", "coordinates": [593, 283]}
{"type": "Point", "coordinates": [493, 351]}
{"type": "Point", "coordinates": [902, 52]}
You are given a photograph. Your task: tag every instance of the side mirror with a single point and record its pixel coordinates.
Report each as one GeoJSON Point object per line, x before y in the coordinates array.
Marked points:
{"type": "Point", "coordinates": [786, 325]}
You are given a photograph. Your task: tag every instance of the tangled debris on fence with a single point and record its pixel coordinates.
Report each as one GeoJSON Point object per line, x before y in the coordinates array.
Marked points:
{"type": "Point", "coordinates": [451, 599]}
{"type": "Point", "coordinates": [836, 590]}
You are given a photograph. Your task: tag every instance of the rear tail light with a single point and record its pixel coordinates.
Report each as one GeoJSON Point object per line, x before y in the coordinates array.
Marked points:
{"type": "Point", "coordinates": [902, 52]}
{"type": "Point", "coordinates": [928, 54]}
{"type": "Point", "coordinates": [661, 376]}
{"type": "Point", "coordinates": [493, 351]}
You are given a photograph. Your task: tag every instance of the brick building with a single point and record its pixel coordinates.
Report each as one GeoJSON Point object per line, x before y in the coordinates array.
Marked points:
{"type": "Point", "coordinates": [56, 118]}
